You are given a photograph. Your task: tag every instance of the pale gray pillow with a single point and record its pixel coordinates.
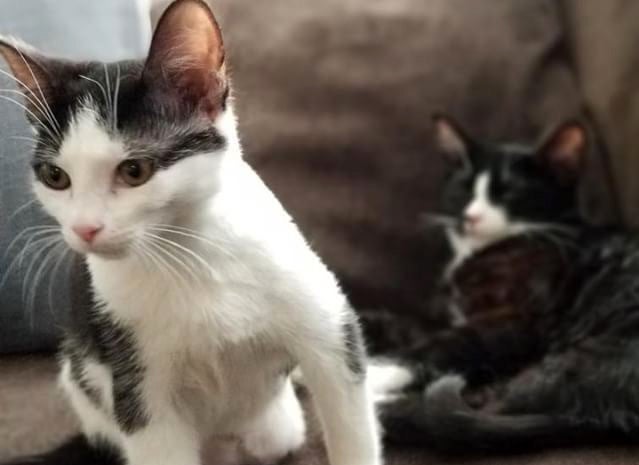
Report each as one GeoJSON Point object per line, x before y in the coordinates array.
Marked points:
{"type": "Point", "coordinates": [78, 29]}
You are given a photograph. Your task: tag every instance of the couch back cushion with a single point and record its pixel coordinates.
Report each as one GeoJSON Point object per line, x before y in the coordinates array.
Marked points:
{"type": "Point", "coordinates": [335, 101]}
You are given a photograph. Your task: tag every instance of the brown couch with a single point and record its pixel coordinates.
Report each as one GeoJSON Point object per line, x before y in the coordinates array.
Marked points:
{"type": "Point", "coordinates": [334, 100]}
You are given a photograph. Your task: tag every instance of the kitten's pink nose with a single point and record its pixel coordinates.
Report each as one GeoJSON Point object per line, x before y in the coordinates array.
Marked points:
{"type": "Point", "coordinates": [87, 232]}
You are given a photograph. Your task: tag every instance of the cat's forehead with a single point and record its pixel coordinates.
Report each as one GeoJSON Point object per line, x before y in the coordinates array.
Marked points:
{"type": "Point", "coordinates": [106, 111]}
{"type": "Point", "coordinates": [506, 160]}
{"type": "Point", "coordinates": [88, 139]}
{"type": "Point", "coordinates": [95, 87]}
{"type": "Point", "coordinates": [100, 83]}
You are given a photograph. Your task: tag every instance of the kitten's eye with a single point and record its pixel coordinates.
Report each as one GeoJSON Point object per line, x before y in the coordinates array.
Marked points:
{"type": "Point", "coordinates": [53, 176]}
{"type": "Point", "coordinates": [136, 172]}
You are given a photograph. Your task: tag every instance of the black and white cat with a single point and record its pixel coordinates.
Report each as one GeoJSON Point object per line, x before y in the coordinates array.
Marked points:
{"type": "Point", "coordinates": [487, 199]}
{"type": "Point", "coordinates": [203, 293]}
{"type": "Point", "coordinates": [560, 373]}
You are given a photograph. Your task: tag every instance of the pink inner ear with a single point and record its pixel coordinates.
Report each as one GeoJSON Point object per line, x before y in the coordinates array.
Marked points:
{"type": "Point", "coordinates": [187, 54]}
{"type": "Point", "coordinates": [31, 77]}
{"type": "Point", "coordinates": [565, 150]}
{"type": "Point", "coordinates": [570, 142]}
{"type": "Point", "coordinates": [448, 139]}
{"type": "Point", "coordinates": [190, 37]}
{"type": "Point", "coordinates": [29, 74]}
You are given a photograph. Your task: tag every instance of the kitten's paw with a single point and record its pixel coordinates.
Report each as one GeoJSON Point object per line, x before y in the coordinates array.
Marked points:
{"type": "Point", "coordinates": [387, 378]}
{"type": "Point", "coordinates": [278, 432]}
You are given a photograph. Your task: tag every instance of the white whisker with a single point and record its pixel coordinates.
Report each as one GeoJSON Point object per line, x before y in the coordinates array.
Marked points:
{"type": "Point", "coordinates": [33, 115]}
{"type": "Point", "coordinates": [189, 269]}
{"type": "Point", "coordinates": [52, 276]}
{"type": "Point", "coordinates": [36, 105]}
{"type": "Point", "coordinates": [186, 250]}
{"type": "Point", "coordinates": [109, 102]}
{"type": "Point", "coordinates": [41, 246]}
{"type": "Point", "coordinates": [100, 86]}
{"type": "Point", "coordinates": [36, 230]}
{"type": "Point", "coordinates": [48, 113]}
{"type": "Point", "coordinates": [163, 265]}
{"type": "Point", "coordinates": [40, 105]}
{"type": "Point", "coordinates": [116, 96]}
{"type": "Point", "coordinates": [26, 138]}
{"type": "Point", "coordinates": [192, 235]}
{"type": "Point", "coordinates": [21, 209]}
{"type": "Point", "coordinates": [218, 246]}
{"type": "Point", "coordinates": [39, 274]}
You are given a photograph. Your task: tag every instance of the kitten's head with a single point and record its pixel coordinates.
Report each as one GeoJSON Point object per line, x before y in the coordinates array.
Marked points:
{"type": "Point", "coordinates": [125, 147]}
{"type": "Point", "coordinates": [496, 191]}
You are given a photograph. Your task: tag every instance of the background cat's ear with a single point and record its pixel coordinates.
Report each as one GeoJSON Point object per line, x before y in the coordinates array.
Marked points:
{"type": "Point", "coordinates": [563, 152]}
{"type": "Point", "coordinates": [452, 141]}
{"type": "Point", "coordinates": [32, 76]}
{"type": "Point", "coordinates": [187, 56]}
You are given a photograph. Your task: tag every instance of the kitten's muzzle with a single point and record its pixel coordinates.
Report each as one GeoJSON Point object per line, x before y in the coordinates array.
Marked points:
{"type": "Point", "coordinates": [471, 221]}
{"type": "Point", "coordinates": [87, 232]}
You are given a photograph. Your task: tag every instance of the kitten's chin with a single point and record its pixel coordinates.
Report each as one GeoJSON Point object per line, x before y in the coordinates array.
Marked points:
{"type": "Point", "coordinates": [111, 253]}
{"type": "Point", "coordinates": [482, 239]}
{"type": "Point", "coordinates": [104, 251]}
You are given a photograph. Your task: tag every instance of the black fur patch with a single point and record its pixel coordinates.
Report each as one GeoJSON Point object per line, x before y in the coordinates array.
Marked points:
{"type": "Point", "coordinates": [168, 150]}
{"type": "Point", "coordinates": [355, 349]}
{"type": "Point", "coordinates": [150, 124]}
{"type": "Point", "coordinates": [518, 183]}
{"type": "Point", "coordinates": [116, 347]}
{"type": "Point", "coordinates": [92, 333]}
{"type": "Point", "coordinates": [76, 451]}
{"type": "Point", "coordinates": [77, 360]}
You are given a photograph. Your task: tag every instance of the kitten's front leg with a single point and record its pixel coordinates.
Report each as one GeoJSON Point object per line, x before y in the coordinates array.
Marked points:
{"type": "Point", "coordinates": [155, 430]}
{"type": "Point", "coordinates": [166, 440]}
{"type": "Point", "coordinates": [334, 368]}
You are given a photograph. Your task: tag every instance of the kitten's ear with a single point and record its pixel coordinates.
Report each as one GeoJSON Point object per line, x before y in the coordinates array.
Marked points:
{"type": "Point", "coordinates": [452, 141]}
{"type": "Point", "coordinates": [32, 75]}
{"type": "Point", "coordinates": [186, 58]}
{"type": "Point", "coordinates": [563, 152]}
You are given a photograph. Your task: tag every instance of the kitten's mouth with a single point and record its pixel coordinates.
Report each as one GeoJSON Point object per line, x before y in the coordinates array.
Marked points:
{"type": "Point", "coordinates": [479, 233]}
{"type": "Point", "coordinates": [111, 250]}
{"type": "Point", "coordinates": [475, 230]}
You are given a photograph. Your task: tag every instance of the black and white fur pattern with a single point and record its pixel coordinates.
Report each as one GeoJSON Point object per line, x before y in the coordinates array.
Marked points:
{"type": "Point", "coordinates": [475, 215]}
{"type": "Point", "coordinates": [486, 201]}
{"type": "Point", "coordinates": [564, 374]}
{"type": "Point", "coordinates": [203, 293]}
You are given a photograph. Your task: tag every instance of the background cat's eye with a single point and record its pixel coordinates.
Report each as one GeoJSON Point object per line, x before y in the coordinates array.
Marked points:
{"type": "Point", "coordinates": [136, 172]}
{"type": "Point", "coordinates": [53, 176]}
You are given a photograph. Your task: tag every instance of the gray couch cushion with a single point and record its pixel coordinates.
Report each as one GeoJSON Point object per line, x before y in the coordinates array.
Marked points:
{"type": "Point", "coordinates": [78, 29]}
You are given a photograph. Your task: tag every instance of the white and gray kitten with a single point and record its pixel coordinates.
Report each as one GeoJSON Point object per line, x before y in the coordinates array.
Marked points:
{"type": "Point", "coordinates": [203, 293]}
